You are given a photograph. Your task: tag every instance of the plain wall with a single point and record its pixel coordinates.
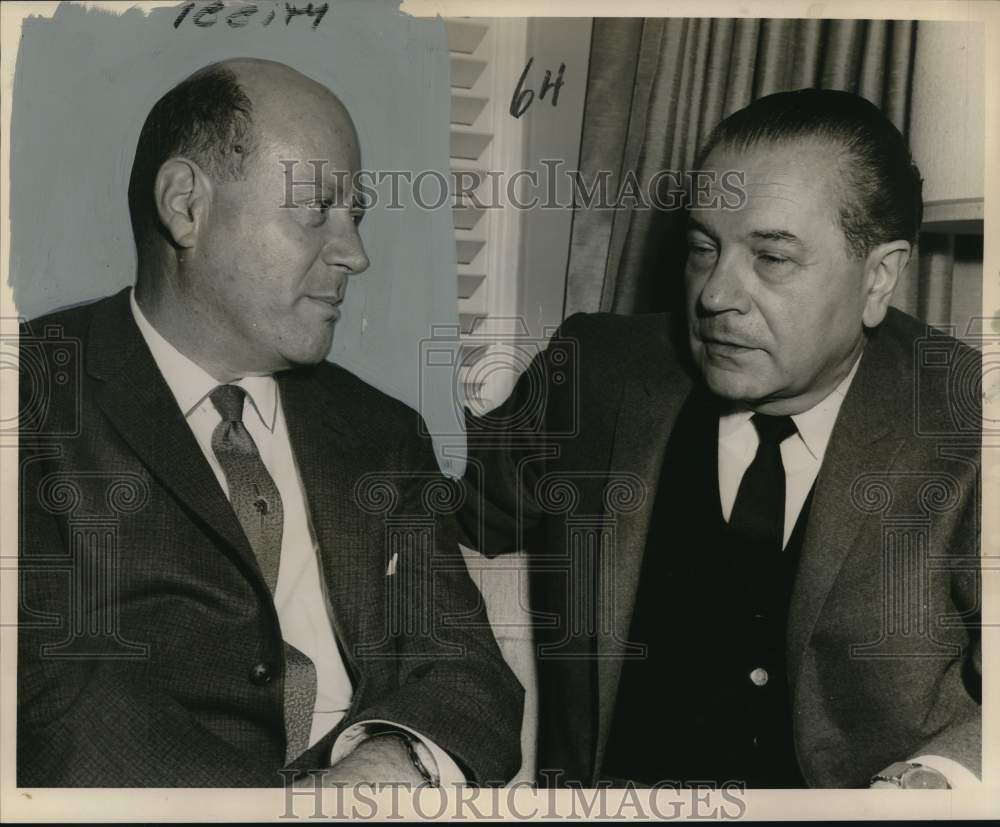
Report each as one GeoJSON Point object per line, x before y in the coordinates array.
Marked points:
{"type": "Point", "coordinates": [85, 80]}
{"type": "Point", "coordinates": [948, 117]}
{"type": "Point", "coordinates": [552, 132]}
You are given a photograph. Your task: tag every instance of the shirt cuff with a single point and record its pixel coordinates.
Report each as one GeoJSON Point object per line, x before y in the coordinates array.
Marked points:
{"type": "Point", "coordinates": [352, 737]}
{"type": "Point", "coordinates": [959, 778]}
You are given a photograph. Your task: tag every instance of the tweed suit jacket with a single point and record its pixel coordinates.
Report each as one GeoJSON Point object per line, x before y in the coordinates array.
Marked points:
{"type": "Point", "coordinates": [882, 638]}
{"type": "Point", "coordinates": [150, 652]}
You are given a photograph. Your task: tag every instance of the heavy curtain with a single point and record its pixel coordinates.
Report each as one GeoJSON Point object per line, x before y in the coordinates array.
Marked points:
{"type": "Point", "coordinates": [656, 89]}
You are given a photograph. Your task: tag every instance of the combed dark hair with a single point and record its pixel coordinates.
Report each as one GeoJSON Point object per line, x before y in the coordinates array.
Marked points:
{"type": "Point", "coordinates": [883, 201]}
{"type": "Point", "coordinates": [207, 118]}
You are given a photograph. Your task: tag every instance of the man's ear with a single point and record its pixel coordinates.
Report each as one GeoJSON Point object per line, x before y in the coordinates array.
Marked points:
{"type": "Point", "coordinates": [183, 194]}
{"type": "Point", "coordinates": [884, 266]}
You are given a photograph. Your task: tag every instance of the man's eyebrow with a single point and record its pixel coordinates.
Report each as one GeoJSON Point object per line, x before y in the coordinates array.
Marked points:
{"type": "Point", "coordinates": [334, 192]}
{"type": "Point", "coordinates": [777, 235]}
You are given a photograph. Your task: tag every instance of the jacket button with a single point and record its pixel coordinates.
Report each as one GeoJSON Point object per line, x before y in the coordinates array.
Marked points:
{"type": "Point", "coordinates": [759, 676]}
{"type": "Point", "coordinates": [260, 674]}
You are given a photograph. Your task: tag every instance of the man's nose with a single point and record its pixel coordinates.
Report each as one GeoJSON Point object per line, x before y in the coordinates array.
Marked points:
{"type": "Point", "coordinates": [345, 250]}
{"type": "Point", "coordinates": [724, 289]}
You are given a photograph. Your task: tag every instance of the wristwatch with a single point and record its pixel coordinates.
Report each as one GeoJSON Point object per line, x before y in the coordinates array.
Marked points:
{"type": "Point", "coordinates": [911, 776]}
{"type": "Point", "coordinates": [422, 760]}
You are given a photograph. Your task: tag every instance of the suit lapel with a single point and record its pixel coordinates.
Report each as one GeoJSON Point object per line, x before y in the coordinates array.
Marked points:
{"type": "Point", "coordinates": [329, 452]}
{"type": "Point", "coordinates": [332, 457]}
{"type": "Point", "coordinates": [866, 437]}
{"type": "Point", "coordinates": [137, 400]}
{"type": "Point", "coordinates": [646, 415]}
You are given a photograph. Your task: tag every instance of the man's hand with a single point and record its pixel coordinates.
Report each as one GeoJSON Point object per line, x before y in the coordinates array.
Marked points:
{"type": "Point", "coordinates": [383, 759]}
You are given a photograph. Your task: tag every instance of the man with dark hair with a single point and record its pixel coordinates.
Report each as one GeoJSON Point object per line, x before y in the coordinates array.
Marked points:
{"type": "Point", "coordinates": [208, 118]}
{"type": "Point", "coordinates": [231, 560]}
{"type": "Point", "coordinates": [766, 570]}
{"type": "Point", "coordinates": [882, 197]}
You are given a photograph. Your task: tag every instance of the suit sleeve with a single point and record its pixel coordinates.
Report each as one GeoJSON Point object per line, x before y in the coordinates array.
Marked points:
{"type": "Point", "coordinates": [509, 448]}
{"type": "Point", "coordinates": [95, 721]}
{"type": "Point", "coordinates": [453, 685]}
{"type": "Point", "coordinates": [958, 702]}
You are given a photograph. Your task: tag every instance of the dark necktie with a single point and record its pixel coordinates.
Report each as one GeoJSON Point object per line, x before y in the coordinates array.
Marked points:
{"type": "Point", "coordinates": [258, 507]}
{"type": "Point", "coordinates": [758, 517]}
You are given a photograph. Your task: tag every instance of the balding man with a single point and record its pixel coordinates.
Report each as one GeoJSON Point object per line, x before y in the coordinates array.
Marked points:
{"type": "Point", "coordinates": [236, 557]}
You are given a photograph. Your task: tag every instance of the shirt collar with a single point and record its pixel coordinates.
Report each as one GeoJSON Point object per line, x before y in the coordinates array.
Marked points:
{"type": "Point", "coordinates": [814, 426]}
{"type": "Point", "coordinates": [190, 383]}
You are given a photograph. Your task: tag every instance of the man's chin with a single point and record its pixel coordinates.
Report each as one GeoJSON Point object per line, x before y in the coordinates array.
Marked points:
{"type": "Point", "coordinates": [732, 385]}
{"type": "Point", "coordinates": [311, 353]}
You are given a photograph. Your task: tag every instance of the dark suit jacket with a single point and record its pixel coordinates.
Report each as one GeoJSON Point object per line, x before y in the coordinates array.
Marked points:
{"type": "Point", "coordinates": [149, 648]}
{"type": "Point", "coordinates": [882, 641]}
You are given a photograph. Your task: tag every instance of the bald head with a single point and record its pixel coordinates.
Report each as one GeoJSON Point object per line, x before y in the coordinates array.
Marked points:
{"type": "Point", "coordinates": [283, 97]}
{"type": "Point", "coordinates": [287, 104]}
{"type": "Point", "coordinates": [246, 217]}
{"type": "Point", "coordinates": [221, 117]}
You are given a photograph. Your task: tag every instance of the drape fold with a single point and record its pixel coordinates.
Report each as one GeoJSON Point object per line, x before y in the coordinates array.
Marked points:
{"type": "Point", "coordinates": [656, 89]}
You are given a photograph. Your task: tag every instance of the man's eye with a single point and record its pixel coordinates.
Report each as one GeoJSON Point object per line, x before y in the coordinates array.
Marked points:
{"type": "Point", "coordinates": [700, 249]}
{"type": "Point", "coordinates": [772, 260]}
{"type": "Point", "coordinates": [359, 206]}
{"type": "Point", "coordinates": [319, 210]}
{"type": "Point", "coordinates": [324, 205]}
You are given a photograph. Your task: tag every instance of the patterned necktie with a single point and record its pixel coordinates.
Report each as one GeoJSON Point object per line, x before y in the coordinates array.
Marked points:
{"type": "Point", "coordinates": [258, 507]}
{"type": "Point", "coordinates": [758, 517]}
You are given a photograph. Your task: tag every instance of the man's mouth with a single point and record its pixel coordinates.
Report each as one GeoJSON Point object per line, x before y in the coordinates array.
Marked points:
{"type": "Point", "coordinates": [331, 304]}
{"type": "Point", "coordinates": [724, 346]}
{"type": "Point", "coordinates": [724, 341]}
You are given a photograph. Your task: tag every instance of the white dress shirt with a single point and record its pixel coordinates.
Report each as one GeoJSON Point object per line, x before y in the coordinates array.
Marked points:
{"type": "Point", "coordinates": [802, 455]}
{"type": "Point", "coordinates": [300, 597]}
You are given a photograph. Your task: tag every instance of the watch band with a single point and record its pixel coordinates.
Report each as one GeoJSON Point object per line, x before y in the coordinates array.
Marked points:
{"type": "Point", "coordinates": [907, 775]}
{"type": "Point", "coordinates": [422, 760]}
{"type": "Point", "coordinates": [420, 757]}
